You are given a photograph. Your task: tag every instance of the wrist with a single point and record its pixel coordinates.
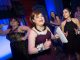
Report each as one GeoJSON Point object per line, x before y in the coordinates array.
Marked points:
{"type": "Point", "coordinates": [41, 47]}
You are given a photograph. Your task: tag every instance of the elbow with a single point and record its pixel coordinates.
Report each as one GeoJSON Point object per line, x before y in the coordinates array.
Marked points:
{"type": "Point", "coordinates": [32, 51]}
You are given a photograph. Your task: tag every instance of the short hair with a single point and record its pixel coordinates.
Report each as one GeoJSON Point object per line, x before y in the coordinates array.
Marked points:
{"type": "Point", "coordinates": [36, 12]}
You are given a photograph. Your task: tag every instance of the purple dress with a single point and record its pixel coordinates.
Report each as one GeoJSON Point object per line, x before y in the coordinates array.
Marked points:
{"type": "Point", "coordinates": [47, 54]}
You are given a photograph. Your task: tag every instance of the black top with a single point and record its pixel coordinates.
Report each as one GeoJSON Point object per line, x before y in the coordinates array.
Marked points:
{"type": "Point", "coordinates": [15, 36]}
{"type": "Point", "coordinates": [69, 27]}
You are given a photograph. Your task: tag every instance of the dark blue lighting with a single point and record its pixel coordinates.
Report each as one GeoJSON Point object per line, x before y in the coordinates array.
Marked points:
{"type": "Point", "coordinates": [50, 6]}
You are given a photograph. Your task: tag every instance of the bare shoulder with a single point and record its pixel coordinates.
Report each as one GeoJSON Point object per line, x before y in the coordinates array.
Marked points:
{"type": "Point", "coordinates": [75, 20]}
{"type": "Point", "coordinates": [32, 33]}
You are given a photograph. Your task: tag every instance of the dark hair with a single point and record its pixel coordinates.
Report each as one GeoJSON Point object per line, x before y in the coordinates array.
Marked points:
{"type": "Point", "coordinates": [68, 9]}
{"type": "Point", "coordinates": [16, 19]}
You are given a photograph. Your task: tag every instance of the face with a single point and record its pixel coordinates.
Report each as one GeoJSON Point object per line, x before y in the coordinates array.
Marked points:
{"type": "Point", "coordinates": [13, 23]}
{"type": "Point", "coordinates": [66, 13]}
{"type": "Point", "coordinates": [39, 20]}
{"type": "Point", "coordinates": [52, 14]}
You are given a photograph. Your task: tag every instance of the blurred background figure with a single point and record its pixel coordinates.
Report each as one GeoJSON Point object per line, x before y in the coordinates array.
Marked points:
{"type": "Point", "coordinates": [55, 19]}
{"type": "Point", "coordinates": [70, 28]}
{"type": "Point", "coordinates": [77, 13]}
{"type": "Point", "coordinates": [17, 35]}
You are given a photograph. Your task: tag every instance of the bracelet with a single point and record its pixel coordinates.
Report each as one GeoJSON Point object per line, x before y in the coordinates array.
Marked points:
{"type": "Point", "coordinates": [40, 47]}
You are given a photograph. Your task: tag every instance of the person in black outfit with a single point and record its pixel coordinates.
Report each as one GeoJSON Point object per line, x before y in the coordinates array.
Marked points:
{"type": "Point", "coordinates": [17, 35]}
{"type": "Point", "coordinates": [70, 28]}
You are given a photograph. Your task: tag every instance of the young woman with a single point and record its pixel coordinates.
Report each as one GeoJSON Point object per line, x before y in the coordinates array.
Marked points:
{"type": "Point", "coordinates": [55, 19]}
{"type": "Point", "coordinates": [17, 35]}
{"type": "Point", "coordinates": [40, 45]}
{"type": "Point", "coordinates": [70, 28]}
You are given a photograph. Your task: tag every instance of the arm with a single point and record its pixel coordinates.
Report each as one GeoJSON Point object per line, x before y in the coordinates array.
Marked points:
{"type": "Point", "coordinates": [24, 28]}
{"type": "Point", "coordinates": [62, 26]}
{"type": "Point", "coordinates": [53, 36]}
{"type": "Point", "coordinates": [39, 48]}
{"type": "Point", "coordinates": [76, 21]}
{"type": "Point", "coordinates": [31, 43]}
{"type": "Point", "coordinates": [4, 32]}
{"type": "Point", "coordinates": [58, 20]}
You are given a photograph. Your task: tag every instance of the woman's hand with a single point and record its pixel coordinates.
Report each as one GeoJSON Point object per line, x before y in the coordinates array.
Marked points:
{"type": "Point", "coordinates": [66, 34]}
{"type": "Point", "coordinates": [47, 44]}
{"type": "Point", "coordinates": [76, 31]}
{"type": "Point", "coordinates": [56, 36]}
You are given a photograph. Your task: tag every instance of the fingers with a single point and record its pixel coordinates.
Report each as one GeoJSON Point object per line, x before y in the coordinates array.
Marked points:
{"type": "Point", "coordinates": [56, 36]}
{"type": "Point", "coordinates": [48, 42]}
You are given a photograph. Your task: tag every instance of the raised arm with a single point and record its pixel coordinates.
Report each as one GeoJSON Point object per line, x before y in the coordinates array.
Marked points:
{"type": "Point", "coordinates": [24, 28]}
{"type": "Point", "coordinates": [58, 20]}
{"type": "Point", "coordinates": [3, 32]}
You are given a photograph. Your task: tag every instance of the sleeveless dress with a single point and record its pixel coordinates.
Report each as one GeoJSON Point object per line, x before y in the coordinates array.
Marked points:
{"type": "Point", "coordinates": [18, 47]}
{"type": "Point", "coordinates": [46, 54]}
{"type": "Point", "coordinates": [73, 44]}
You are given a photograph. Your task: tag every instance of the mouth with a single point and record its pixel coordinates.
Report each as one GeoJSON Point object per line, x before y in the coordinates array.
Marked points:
{"type": "Point", "coordinates": [41, 21]}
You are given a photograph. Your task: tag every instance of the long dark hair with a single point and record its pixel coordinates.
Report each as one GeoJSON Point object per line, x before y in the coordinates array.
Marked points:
{"type": "Point", "coordinates": [16, 19]}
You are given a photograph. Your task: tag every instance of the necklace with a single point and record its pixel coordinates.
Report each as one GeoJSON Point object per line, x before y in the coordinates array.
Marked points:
{"type": "Point", "coordinates": [39, 30]}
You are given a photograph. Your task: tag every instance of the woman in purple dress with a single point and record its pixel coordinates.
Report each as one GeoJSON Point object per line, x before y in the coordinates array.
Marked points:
{"type": "Point", "coordinates": [39, 41]}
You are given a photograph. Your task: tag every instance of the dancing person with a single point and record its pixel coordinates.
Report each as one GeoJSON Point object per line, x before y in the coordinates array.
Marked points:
{"type": "Point", "coordinates": [17, 35]}
{"type": "Point", "coordinates": [39, 40]}
{"type": "Point", "coordinates": [70, 28]}
{"type": "Point", "coordinates": [55, 19]}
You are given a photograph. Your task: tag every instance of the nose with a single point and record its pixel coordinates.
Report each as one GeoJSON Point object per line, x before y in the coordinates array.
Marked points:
{"type": "Point", "coordinates": [40, 18]}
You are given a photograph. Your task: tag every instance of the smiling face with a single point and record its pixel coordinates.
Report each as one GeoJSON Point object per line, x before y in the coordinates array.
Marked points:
{"type": "Point", "coordinates": [66, 13]}
{"type": "Point", "coordinates": [39, 19]}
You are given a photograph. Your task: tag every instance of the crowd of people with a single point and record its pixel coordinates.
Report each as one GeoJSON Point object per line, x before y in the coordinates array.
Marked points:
{"type": "Point", "coordinates": [36, 42]}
